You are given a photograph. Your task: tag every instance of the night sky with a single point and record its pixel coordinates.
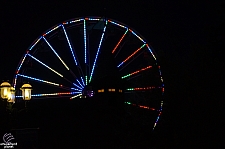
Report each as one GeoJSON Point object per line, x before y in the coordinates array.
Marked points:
{"type": "Point", "coordinates": [187, 38]}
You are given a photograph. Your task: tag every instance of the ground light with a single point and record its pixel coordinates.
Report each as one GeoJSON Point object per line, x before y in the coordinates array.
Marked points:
{"type": "Point", "coordinates": [26, 92]}
{"type": "Point", "coordinates": [8, 94]}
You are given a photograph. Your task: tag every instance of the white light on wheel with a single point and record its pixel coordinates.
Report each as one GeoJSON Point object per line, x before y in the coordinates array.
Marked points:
{"type": "Point", "coordinates": [5, 92]}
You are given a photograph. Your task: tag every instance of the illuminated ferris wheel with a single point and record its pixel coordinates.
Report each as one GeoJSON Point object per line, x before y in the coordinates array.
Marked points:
{"type": "Point", "coordinates": [72, 59]}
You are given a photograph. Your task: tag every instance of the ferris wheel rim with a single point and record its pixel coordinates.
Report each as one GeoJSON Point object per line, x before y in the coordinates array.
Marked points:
{"type": "Point", "coordinates": [77, 18]}
{"type": "Point", "coordinates": [133, 31]}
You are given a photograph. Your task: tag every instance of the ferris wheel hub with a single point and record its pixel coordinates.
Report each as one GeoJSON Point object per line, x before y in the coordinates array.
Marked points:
{"type": "Point", "coordinates": [87, 92]}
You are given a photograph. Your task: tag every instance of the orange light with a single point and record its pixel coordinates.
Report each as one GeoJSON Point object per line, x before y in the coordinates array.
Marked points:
{"type": "Point", "coordinates": [119, 42]}
{"type": "Point", "coordinates": [101, 90]}
{"type": "Point", "coordinates": [132, 54]}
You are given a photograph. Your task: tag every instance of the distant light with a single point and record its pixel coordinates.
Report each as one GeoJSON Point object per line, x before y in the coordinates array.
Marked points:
{"type": "Point", "coordinates": [101, 90]}
{"type": "Point", "coordinates": [112, 90]}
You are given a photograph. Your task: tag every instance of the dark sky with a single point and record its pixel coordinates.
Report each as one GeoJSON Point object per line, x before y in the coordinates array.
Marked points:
{"type": "Point", "coordinates": [173, 29]}
{"type": "Point", "coordinates": [187, 37]}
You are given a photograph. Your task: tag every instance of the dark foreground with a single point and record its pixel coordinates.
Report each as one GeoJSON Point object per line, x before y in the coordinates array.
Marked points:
{"type": "Point", "coordinates": [85, 124]}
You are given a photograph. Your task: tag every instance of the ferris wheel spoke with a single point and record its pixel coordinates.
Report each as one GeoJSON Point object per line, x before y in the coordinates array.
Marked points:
{"type": "Point", "coordinates": [131, 55]}
{"type": "Point", "coordinates": [82, 81]}
{"type": "Point", "coordinates": [76, 60]}
{"type": "Point", "coordinates": [119, 41]}
{"type": "Point", "coordinates": [49, 68]}
{"type": "Point", "coordinates": [85, 43]}
{"type": "Point", "coordinates": [75, 96]}
{"type": "Point", "coordinates": [56, 53]}
{"type": "Point", "coordinates": [80, 71]}
{"type": "Point", "coordinates": [85, 52]}
{"type": "Point", "coordinates": [55, 94]}
{"type": "Point", "coordinates": [77, 86]}
{"type": "Point", "coordinates": [142, 88]}
{"type": "Point", "coordinates": [141, 106]}
{"type": "Point", "coordinates": [131, 61]}
{"type": "Point", "coordinates": [71, 49]}
{"type": "Point", "coordinates": [86, 80]}
{"type": "Point", "coordinates": [96, 56]}
{"type": "Point", "coordinates": [45, 65]}
{"type": "Point", "coordinates": [76, 89]}
{"type": "Point", "coordinates": [136, 72]}
{"type": "Point", "coordinates": [44, 81]}
{"type": "Point", "coordinates": [73, 54]}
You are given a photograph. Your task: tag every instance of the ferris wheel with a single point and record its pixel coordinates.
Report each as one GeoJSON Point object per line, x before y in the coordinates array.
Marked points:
{"type": "Point", "coordinates": [76, 57]}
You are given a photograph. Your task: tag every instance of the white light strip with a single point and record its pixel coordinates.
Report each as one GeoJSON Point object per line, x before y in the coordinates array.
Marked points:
{"type": "Point", "coordinates": [76, 89]}
{"type": "Point", "coordinates": [82, 81]}
{"type": "Point", "coordinates": [76, 96]}
{"type": "Point", "coordinates": [56, 53]}
{"type": "Point", "coordinates": [85, 43]}
{"type": "Point", "coordinates": [77, 86]}
{"type": "Point", "coordinates": [92, 71]}
{"type": "Point", "coordinates": [48, 82]}
{"type": "Point", "coordinates": [68, 41]}
{"type": "Point", "coordinates": [45, 65]}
